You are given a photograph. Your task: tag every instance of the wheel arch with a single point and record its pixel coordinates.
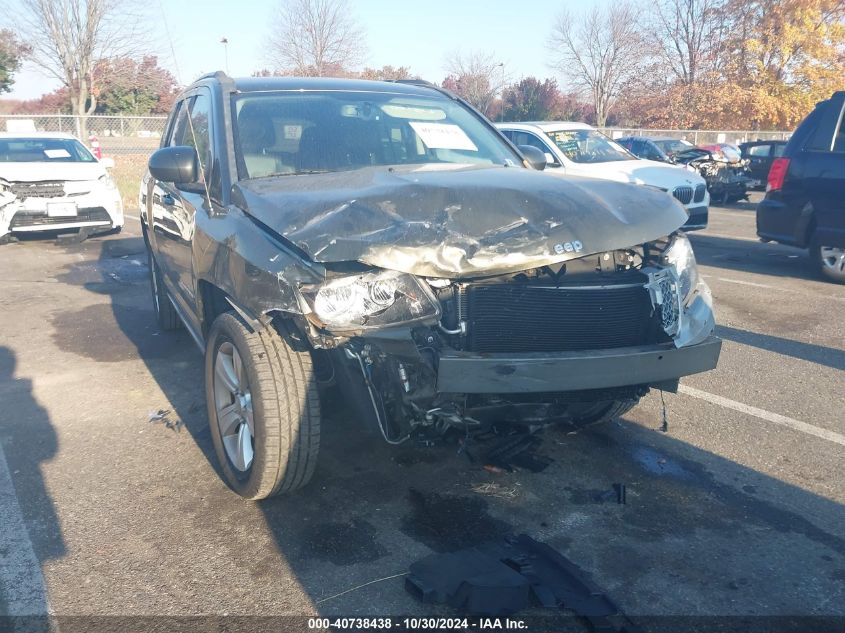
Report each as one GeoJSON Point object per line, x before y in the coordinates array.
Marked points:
{"type": "Point", "coordinates": [806, 225]}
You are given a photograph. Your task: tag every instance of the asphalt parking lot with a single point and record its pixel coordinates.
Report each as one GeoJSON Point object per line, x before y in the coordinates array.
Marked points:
{"type": "Point", "coordinates": [737, 510]}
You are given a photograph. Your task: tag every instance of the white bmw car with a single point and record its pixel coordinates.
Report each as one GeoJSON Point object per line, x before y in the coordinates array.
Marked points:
{"type": "Point", "coordinates": [577, 149]}
{"type": "Point", "coordinates": [51, 182]}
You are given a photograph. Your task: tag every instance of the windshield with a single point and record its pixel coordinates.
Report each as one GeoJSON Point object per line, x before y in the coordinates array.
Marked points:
{"type": "Point", "coordinates": [673, 146]}
{"type": "Point", "coordinates": [47, 150]}
{"type": "Point", "coordinates": [588, 146]}
{"type": "Point", "coordinates": [306, 132]}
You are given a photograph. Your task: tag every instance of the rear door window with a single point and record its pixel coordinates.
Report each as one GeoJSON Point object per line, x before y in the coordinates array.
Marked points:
{"type": "Point", "coordinates": [839, 141]}
{"type": "Point", "coordinates": [760, 151]}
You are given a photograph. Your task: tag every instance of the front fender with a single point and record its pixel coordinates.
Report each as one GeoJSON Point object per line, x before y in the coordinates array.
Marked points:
{"type": "Point", "coordinates": [257, 271]}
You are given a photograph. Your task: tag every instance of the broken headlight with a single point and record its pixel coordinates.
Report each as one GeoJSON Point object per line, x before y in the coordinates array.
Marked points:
{"type": "Point", "coordinates": [369, 301]}
{"type": "Point", "coordinates": [680, 256]}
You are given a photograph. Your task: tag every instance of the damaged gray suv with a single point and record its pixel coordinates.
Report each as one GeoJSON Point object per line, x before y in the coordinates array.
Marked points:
{"type": "Point", "coordinates": [386, 240]}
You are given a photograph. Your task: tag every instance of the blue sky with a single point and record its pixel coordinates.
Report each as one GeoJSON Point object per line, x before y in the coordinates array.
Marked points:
{"type": "Point", "coordinates": [418, 34]}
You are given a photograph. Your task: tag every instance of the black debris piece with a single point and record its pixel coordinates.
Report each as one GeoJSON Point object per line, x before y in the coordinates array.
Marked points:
{"type": "Point", "coordinates": [504, 577]}
{"type": "Point", "coordinates": [517, 451]}
{"type": "Point", "coordinates": [621, 494]}
{"type": "Point", "coordinates": [469, 580]}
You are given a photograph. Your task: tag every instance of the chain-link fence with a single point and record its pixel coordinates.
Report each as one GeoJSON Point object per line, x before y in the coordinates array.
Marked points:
{"type": "Point", "coordinates": [130, 140]}
{"type": "Point", "coordinates": [702, 137]}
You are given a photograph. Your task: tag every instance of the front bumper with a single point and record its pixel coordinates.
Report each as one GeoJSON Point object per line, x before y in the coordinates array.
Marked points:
{"type": "Point", "coordinates": [698, 217]}
{"type": "Point", "coordinates": [98, 210]}
{"type": "Point", "coordinates": [464, 372]}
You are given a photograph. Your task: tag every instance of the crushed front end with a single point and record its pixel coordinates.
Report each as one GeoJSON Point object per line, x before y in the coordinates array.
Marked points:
{"type": "Point", "coordinates": [552, 343]}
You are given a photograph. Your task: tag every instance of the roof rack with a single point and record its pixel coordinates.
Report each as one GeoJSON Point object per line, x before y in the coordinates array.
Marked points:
{"type": "Point", "coordinates": [217, 74]}
{"type": "Point", "coordinates": [413, 82]}
{"type": "Point", "coordinates": [425, 84]}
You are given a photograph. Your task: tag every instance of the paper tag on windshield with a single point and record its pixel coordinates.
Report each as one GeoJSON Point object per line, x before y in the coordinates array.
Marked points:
{"type": "Point", "coordinates": [56, 153]}
{"type": "Point", "coordinates": [442, 136]}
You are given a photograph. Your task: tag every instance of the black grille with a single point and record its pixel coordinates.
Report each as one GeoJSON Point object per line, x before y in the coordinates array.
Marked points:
{"type": "Point", "coordinates": [529, 318]}
{"type": "Point", "coordinates": [23, 190]}
{"type": "Point", "coordinates": [40, 218]}
{"type": "Point", "coordinates": [697, 217]}
{"type": "Point", "coordinates": [700, 190]}
{"type": "Point", "coordinates": [683, 194]}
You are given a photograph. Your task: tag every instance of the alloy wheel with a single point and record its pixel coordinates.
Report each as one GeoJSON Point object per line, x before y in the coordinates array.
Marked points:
{"type": "Point", "coordinates": [233, 402]}
{"type": "Point", "coordinates": [833, 259]}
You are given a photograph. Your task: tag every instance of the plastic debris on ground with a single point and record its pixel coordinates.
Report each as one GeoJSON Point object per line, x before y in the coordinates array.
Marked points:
{"type": "Point", "coordinates": [163, 416]}
{"type": "Point", "coordinates": [505, 577]}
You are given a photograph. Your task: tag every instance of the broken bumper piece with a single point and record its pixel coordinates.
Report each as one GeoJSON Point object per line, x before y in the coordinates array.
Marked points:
{"type": "Point", "coordinates": [465, 372]}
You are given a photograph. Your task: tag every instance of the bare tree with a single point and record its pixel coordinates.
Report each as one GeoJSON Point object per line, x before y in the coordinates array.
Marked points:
{"type": "Point", "coordinates": [68, 37]}
{"type": "Point", "coordinates": [475, 76]}
{"type": "Point", "coordinates": [598, 52]}
{"type": "Point", "coordinates": [690, 36]}
{"type": "Point", "coordinates": [316, 38]}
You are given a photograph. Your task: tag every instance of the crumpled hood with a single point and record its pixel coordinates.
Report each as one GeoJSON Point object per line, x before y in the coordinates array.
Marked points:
{"type": "Point", "coordinates": [456, 222]}
{"type": "Point", "coordinates": [46, 171]}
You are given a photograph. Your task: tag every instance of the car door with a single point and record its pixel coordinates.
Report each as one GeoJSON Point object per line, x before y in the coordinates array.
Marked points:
{"type": "Point", "coordinates": [825, 176]}
{"type": "Point", "coordinates": [163, 205]}
{"type": "Point", "coordinates": [191, 199]}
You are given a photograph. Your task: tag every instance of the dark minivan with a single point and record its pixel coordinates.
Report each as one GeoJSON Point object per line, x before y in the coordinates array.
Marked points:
{"type": "Point", "coordinates": [805, 195]}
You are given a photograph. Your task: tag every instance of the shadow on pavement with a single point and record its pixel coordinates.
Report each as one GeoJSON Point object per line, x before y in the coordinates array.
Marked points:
{"type": "Point", "coordinates": [753, 257]}
{"type": "Point", "coordinates": [28, 440]}
{"type": "Point", "coordinates": [828, 356]}
{"type": "Point", "coordinates": [700, 534]}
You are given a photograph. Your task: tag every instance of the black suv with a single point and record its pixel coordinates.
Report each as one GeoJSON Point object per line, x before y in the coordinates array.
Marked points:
{"type": "Point", "coordinates": [385, 241]}
{"type": "Point", "coordinates": [805, 195]}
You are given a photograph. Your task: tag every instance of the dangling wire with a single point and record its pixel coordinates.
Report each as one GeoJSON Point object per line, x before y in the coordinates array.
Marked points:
{"type": "Point", "coordinates": [664, 428]}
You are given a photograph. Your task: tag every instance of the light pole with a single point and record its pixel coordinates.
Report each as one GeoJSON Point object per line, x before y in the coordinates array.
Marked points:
{"type": "Point", "coordinates": [502, 109]}
{"type": "Point", "coordinates": [225, 42]}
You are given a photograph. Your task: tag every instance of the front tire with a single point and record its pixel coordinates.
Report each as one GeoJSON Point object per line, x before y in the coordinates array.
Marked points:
{"type": "Point", "coordinates": [602, 412]}
{"type": "Point", "coordinates": [263, 407]}
{"type": "Point", "coordinates": [830, 260]}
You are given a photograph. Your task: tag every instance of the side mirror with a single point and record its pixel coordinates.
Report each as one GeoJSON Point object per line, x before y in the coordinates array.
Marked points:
{"type": "Point", "coordinates": [178, 165]}
{"type": "Point", "coordinates": [107, 162]}
{"type": "Point", "coordinates": [534, 156]}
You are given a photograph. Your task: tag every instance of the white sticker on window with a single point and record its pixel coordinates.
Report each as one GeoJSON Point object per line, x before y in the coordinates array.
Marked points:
{"type": "Point", "coordinates": [56, 153]}
{"type": "Point", "coordinates": [293, 132]}
{"type": "Point", "coordinates": [442, 136]}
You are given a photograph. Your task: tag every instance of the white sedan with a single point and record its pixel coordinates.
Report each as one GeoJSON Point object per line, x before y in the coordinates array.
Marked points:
{"type": "Point", "coordinates": [577, 149]}
{"type": "Point", "coordinates": [51, 182]}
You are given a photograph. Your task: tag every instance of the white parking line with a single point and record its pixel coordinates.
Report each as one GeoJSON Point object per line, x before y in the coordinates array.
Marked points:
{"type": "Point", "coordinates": [724, 236]}
{"type": "Point", "coordinates": [732, 214]}
{"type": "Point", "coordinates": [21, 582]}
{"type": "Point", "coordinates": [743, 283]}
{"type": "Point", "coordinates": [775, 418]}
{"type": "Point", "coordinates": [132, 217]}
